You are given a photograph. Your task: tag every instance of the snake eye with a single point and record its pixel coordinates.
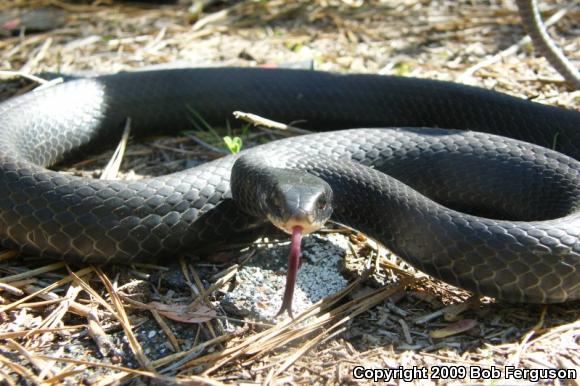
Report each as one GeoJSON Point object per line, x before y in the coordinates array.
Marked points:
{"type": "Point", "coordinates": [277, 200]}
{"type": "Point", "coordinates": [322, 203]}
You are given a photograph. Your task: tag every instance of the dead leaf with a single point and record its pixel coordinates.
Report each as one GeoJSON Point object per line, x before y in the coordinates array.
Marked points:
{"type": "Point", "coordinates": [184, 313]}
{"type": "Point", "coordinates": [453, 329]}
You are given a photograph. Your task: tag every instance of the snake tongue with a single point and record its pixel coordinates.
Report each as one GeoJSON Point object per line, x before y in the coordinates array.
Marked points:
{"type": "Point", "coordinates": [293, 265]}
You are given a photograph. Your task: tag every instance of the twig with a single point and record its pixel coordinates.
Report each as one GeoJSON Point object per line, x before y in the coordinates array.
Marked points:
{"type": "Point", "coordinates": [468, 74]}
{"type": "Point", "coordinates": [257, 120]}
{"type": "Point", "coordinates": [32, 272]}
{"type": "Point", "coordinates": [121, 315]}
{"type": "Point", "coordinates": [51, 297]}
{"type": "Point", "coordinates": [165, 327]}
{"type": "Point", "coordinates": [525, 343]}
{"type": "Point", "coordinates": [44, 290]}
{"type": "Point", "coordinates": [20, 370]}
{"type": "Point", "coordinates": [103, 341]}
{"type": "Point", "coordinates": [10, 289]}
{"type": "Point", "coordinates": [18, 334]}
{"type": "Point", "coordinates": [6, 255]}
{"type": "Point", "coordinates": [112, 169]}
{"type": "Point", "coordinates": [21, 74]}
{"type": "Point", "coordinates": [38, 363]}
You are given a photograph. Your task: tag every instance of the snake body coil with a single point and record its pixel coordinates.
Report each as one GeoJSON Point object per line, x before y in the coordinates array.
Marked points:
{"type": "Point", "coordinates": [529, 251]}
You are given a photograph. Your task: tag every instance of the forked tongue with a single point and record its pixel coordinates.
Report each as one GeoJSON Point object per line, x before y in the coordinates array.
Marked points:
{"type": "Point", "coordinates": [293, 265]}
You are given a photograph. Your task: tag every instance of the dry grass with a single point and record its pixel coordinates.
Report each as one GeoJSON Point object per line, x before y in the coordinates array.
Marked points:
{"type": "Point", "coordinates": [64, 324]}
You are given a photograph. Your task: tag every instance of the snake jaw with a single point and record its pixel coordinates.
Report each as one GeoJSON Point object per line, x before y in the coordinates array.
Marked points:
{"type": "Point", "coordinates": [303, 220]}
{"type": "Point", "coordinates": [293, 265]}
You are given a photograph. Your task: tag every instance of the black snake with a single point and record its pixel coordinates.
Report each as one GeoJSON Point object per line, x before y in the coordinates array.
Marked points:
{"type": "Point", "coordinates": [525, 247]}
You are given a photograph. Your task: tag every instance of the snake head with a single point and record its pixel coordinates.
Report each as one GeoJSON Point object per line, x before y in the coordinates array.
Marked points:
{"type": "Point", "coordinates": [298, 199]}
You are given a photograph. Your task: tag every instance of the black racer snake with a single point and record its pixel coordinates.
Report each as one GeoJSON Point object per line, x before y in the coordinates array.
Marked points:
{"type": "Point", "coordinates": [525, 247]}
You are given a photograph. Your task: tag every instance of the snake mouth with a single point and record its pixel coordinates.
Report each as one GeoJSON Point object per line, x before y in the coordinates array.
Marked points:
{"type": "Point", "coordinates": [305, 221]}
{"type": "Point", "coordinates": [292, 272]}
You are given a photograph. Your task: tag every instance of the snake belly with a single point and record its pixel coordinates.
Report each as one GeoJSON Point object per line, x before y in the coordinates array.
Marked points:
{"type": "Point", "coordinates": [493, 215]}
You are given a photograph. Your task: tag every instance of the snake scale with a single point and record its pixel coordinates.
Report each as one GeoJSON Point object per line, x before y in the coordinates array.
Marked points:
{"type": "Point", "coordinates": [513, 231]}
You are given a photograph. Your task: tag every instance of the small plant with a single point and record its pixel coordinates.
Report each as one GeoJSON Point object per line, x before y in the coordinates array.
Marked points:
{"type": "Point", "coordinates": [234, 144]}
{"type": "Point", "coordinates": [231, 142]}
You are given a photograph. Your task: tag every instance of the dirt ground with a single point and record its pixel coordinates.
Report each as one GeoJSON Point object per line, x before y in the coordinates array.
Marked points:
{"type": "Point", "coordinates": [105, 325]}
